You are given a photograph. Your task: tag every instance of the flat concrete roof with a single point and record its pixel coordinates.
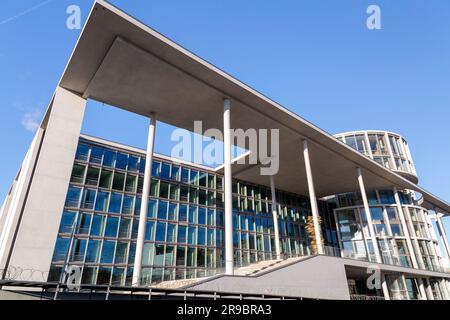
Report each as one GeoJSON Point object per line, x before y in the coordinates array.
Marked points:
{"type": "Point", "coordinates": [122, 62]}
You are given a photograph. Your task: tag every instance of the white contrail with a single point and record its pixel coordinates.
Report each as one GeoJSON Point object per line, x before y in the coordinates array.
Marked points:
{"type": "Point", "coordinates": [25, 12]}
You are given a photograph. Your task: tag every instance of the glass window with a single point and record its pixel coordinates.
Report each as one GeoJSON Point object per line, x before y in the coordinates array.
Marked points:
{"type": "Point", "coordinates": [121, 161]}
{"type": "Point", "coordinates": [131, 183]}
{"type": "Point", "coordinates": [127, 206]}
{"type": "Point", "coordinates": [93, 251]}
{"type": "Point", "coordinates": [159, 255]}
{"type": "Point", "coordinates": [154, 188]}
{"type": "Point", "coordinates": [165, 170]}
{"type": "Point", "coordinates": [164, 190]}
{"type": "Point", "coordinates": [156, 169]}
{"type": "Point", "coordinates": [182, 213]}
{"type": "Point", "coordinates": [121, 252]}
{"type": "Point", "coordinates": [174, 192]}
{"type": "Point", "coordinates": [111, 227]}
{"type": "Point", "coordinates": [84, 222]}
{"type": "Point", "coordinates": [115, 202]}
{"type": "Point", "coordinates": [184, 193]}
{"type": "Point", "coordinates": [67, 222]}
{"type": "Point", "coordinates": [184, 175]}
{"type": "Point", "coordinates": [161, 231]}
{"type": "Point", "coordinates": [147, 253]}
{"type": "Point", "coordinates": [377, 213]}
{"type": "Point", "coordinates": [173, 210]}
{"type": "Point", "coordinates": [102, 201]}
{"type": "Point", "coordinates": [133, 163]}
{"type": "Point", "coordinates": [193, 177]}
{"type": "Point", "coordinates": [77, 173]}
{"type": "Point", "coordinates": [171, 232]}
{"type": "Point", "coordinates": [73, 197]}
{"type": "Point", "coordinates": [392, 213]}
{"type": "Point", "coordinates": [96, 155]}
{"type": "Point", "coordinates": [107, 251]}
{"type": "Point", "coordinates": [118, 181]}
{"type": "Point", "coordinates": [182, 234]}
{"type": "Point", "coordinates": [88, 199]}
{"type": "Point", "coordinates": [396, 230]}
{"type": "Point", "coordinates": [150, 231]}
{"type": "Point", "coordinates": [191, 257]}
{"type": "Point", "coordinates": [192, 214]}
{"type": "Point", "coordinates": [109, 158]}
{"type": "Point", "coordinates": [192, 235]}
{"type": "Point", "coordinates": [151, 208]}
{"type": "Point", "coordinates": [201, 257]}
{"type": "Point", "coordinates": [142, 165]}
{"type": "Point", "coordinates": [175, 173]}
{"type": "Point", "coordinates": [201, 215]}
{"type": "Point", "coordinates": [201, 236]}
{"type": "Point", "coordinates": [78, 249]}
{"type": "Point", "coordinates": [125, 228]}
{"type": "Point", "coordinates": [118, 276]}
{"type": "Point", "coordinates": [61, 249]}
{"type": "Point", "coordinates": [89, 275]}
{"type": "Point", "coordinates": [162, 210]}
{"type": "Point", "coordinates": [98, 225]}
{"type": "Point", "coordinates": [181, 256]}
{"type": "Point", "coordinates": [82, 152]}
{"type": "Point", "coordinates": [105, 179]}
{"type": "Point", "coordinates": [203, 179]}
{"type": "Point", "coordinates": [104, 276]}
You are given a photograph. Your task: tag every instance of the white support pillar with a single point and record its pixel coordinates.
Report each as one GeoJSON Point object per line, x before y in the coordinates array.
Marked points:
{"type": "Point", "coordinates": [415, 242]}
{"type": "Point", "coordinates": [275, 218]}
{"type": "Point", "coordinates": [144, 202]}
{"type": "Point", "coordinates": [229, 256]}
{"type": "Point", "coordinates": [423, 294]}
{"type": "Point", "coordinates": [385, 288]}
{"type": "Point", "coordinates": [444, 289]}
{"type": "Point", "coordinates": [401, 214]}
{"type": "Point", "coordinates": [368, 216]}
{"type": "Point", "coordinates": [442, 233]}
{"type": "Point", "coordinates": [429, 290]}
{"type": "Point", "coordinates": [312, 198]}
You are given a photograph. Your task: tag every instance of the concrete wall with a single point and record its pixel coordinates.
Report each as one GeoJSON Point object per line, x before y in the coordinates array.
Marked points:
{"type": "Point", "coordinates": [42, 209]}
{"type": "Point", "coordinates": [15, 200]}
{"type": "Point", "coordinates": [318, 277]}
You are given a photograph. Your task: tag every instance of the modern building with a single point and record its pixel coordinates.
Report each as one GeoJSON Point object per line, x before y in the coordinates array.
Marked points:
{"type": "Point", "coordinates": [342, 218]}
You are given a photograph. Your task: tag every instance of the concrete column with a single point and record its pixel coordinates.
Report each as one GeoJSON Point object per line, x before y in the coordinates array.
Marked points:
{"type": "Point", "coordinates": [275, 218]}
{"type": "Point", "coordinates": [37, 207]}
{"type": "Point", "coordinates": [229, 256]}
{"type": "Point", "coordinates": [442, 233]}
{"type": "Point", "coordinates": [385, 288]}
{"type": "Point", "coordinates": [312, 198]}
{"type": "Point", "coordinates": [444, 289]}
{"type": "Point", "coordinates": [144, 202]}
{"type": "Point", "coordinates": [429, 290]}
{"type": "Point", "coordinates": [423, 294]}
{"type": "Point", "coordinates": [401, 214]}
{"type": "Point", "coordinates": [415, 242]}
{"type": "Point", "coordinates": [368, 216]}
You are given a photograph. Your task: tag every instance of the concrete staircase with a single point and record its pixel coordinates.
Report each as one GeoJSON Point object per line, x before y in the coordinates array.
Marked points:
{"type": "Point", "coordinates": [250, 270]}
{"type": "Point", "coordinates": [264, 266]}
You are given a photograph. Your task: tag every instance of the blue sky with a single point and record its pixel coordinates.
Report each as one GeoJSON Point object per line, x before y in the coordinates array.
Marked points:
{"type": "Point", "coordinates": [315, 57]}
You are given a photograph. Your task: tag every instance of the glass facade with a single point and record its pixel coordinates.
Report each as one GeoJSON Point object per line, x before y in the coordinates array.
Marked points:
{"type": "Point", "coordinates": [386, 148]}
{"type": "Point", "coordinates": [185, 220]}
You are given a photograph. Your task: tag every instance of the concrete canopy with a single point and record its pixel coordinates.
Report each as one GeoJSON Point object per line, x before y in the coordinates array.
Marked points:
{"type": "Point", "coordinates": [122, 62]}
